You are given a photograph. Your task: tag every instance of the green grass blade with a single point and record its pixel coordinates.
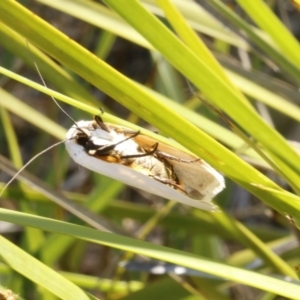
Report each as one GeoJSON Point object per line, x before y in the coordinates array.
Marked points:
{"type": "Point", "coordinates": [266, 19]}
{"type": "Point", "coordinates": [263, 282]}
{"type": "Point", "coordinates": [39, 273]}
{"type": "Point", "coordinates": [137, 100]}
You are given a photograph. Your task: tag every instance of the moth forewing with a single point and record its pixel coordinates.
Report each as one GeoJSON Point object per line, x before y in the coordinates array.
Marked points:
{"type": "Point", "coordinates": [198, 178]}
{"type": "Point", "coordinates": [141, 162]}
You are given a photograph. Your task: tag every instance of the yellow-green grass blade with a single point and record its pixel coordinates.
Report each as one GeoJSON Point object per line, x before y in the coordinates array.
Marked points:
{"type": "Point", "coordinates": [11, 137]}
{"type": "Point", "coordinates": [39, 273]}
{"type": "Point", "coordinates": [259, 281]}
{"type": "Point", "coordinates": [266, 96]}
{"type": "Point", "coordinates": [99, 16]}
{"type": "Point", "coordinates": [105, 44]}
{"type": "Point", "coordinates": [224, 135]}
{"type": "Point", "coordinates": [245, 256]}
{"type": "Point", "coordinates": [94, 283]}
{"type": "Point", "coordinates": [189, 37]}
{"type": "Point", "coordinates": [29, 114]}
{"type": "Point", "coordinates": [267, 20]}
{"type": "Point", "coordinates": [192, 40]}
{"type": "Point", "coordinates": [78, 9]}
{"type": "Point", "coordinates": [202, 223]}
{"type": "Point", "coordinates": [250, 240]}
{"type": "Point", "coordinates": [77, 210]}
{"type": "Point", "coordinates": [168, 81]}
{"type": "Point", "coordinates": [269, 48]}
{"type": "Point", "coordinates": [26, 112]}
{"type": "Point", "coordinates": [103, 284]}
{"type": "Point", "coordinates": [41, 121]}
{"type": "Point", "coordinates": [266, 81]}
{"type": "Point", "coordinates": [199, 222]}
{"type": "Point", "coordinates": [201, 21]}
{"type": "Point", "coordinates": [50, 127]}
{"type": "Point", "coordinates": [33, 238]}
{"type": "Point", "coordinates": [17, 45]}
{"type": "Point", "coordinates": [206, 79]}
{"type": "Point", "coordinates": [241, 239]}
{"type": "Point", "coordinates": [102, 17]}
{"type": "Point", "coordinates": [97, 200]}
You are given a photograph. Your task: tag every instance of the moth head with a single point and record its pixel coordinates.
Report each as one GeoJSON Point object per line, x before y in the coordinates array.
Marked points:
{"type": "Point", "coordinates": [83, 136]}
{"type": "Point", "coordinates": [94, 136]}
{"type": "Point", "coordinates": [79, 131]}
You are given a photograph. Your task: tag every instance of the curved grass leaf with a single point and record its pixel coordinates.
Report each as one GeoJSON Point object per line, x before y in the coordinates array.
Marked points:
{"type": "Point", "coordinates": [263, 282]}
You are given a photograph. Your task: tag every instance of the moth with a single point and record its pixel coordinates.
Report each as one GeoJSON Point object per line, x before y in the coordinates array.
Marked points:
{"type": "Point", "coordinates": [140, 161]}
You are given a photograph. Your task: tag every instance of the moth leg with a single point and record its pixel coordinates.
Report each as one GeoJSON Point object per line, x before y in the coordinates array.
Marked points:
{"type": "Point", "coordinates": [170, 182]}
{"type": "Point", "coordinates": [124, 131]}
{"type": "Point", "coordinates": [151, 152]}
{"type": "Point", "coordinates": [107, 149]}
{"type": "Point", "coordinates": [172, 157]}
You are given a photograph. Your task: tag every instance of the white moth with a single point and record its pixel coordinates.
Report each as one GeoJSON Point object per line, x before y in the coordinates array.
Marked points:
{"type": "Point", "coordinates": [142, 162]}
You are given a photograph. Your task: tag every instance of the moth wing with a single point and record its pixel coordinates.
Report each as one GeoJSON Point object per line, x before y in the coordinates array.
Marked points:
{"type": "Point", "coordinates": [131, 177]}
{"type": "Point", "coordinates": [198, 178]}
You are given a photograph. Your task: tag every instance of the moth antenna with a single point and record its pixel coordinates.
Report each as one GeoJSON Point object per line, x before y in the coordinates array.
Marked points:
{"type": "Point", "coordinates": [44, 83]}
{"type": "Point", "coordinates": [52, 146]}
{"type": "Point", "coordinates": [28, 163]}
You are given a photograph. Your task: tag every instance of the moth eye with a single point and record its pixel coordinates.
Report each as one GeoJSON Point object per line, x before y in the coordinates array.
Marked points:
{"type": "Point", "coordinates": [82, 140]}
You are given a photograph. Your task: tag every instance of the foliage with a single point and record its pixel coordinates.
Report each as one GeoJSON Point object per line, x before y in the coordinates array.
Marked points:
{"type": "Point", "coordinates": [246, 148]}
